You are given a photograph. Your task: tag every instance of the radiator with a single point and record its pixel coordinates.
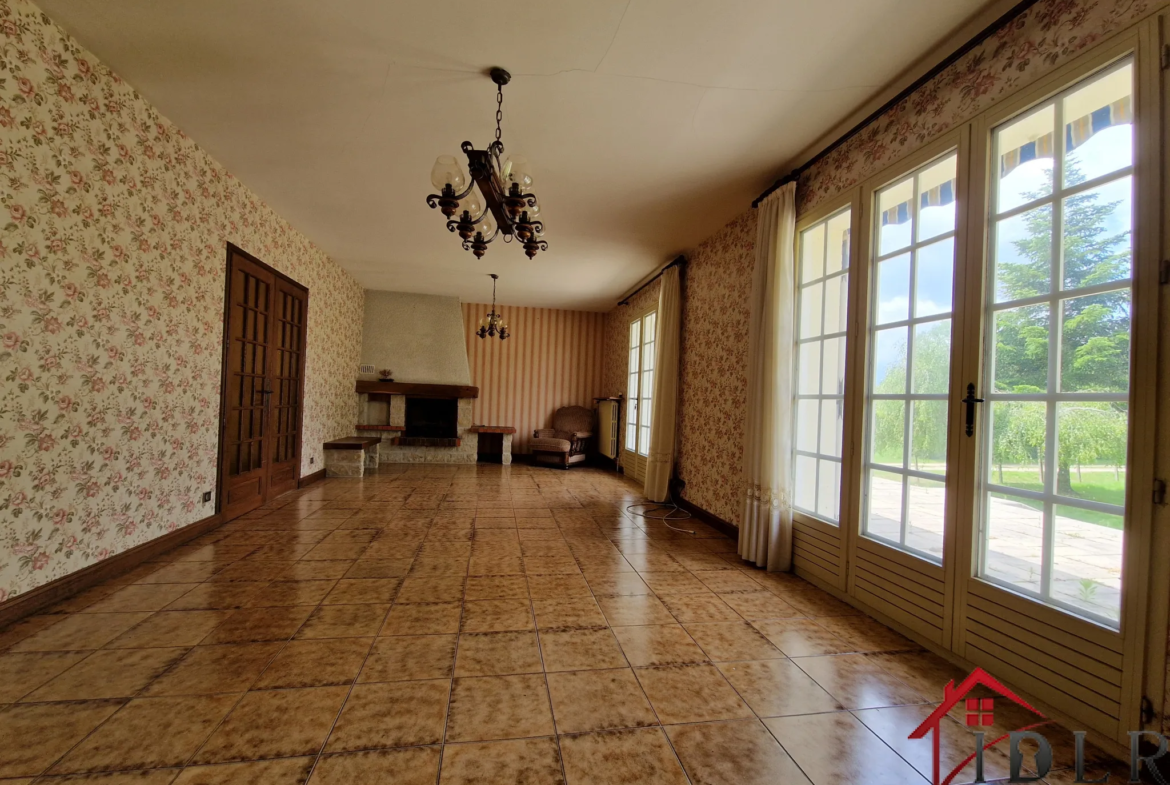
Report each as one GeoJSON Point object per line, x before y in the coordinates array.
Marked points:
{"type": "Point", "coordinates": [608, 425]}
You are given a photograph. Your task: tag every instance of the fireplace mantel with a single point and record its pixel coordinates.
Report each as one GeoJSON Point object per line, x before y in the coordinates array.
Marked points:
{"type": "Point", "coordinates": [417, 390]}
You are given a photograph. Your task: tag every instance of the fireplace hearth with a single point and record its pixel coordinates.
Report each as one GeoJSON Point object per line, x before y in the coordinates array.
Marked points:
{"type": "Point", "coordinates": [431, 419]}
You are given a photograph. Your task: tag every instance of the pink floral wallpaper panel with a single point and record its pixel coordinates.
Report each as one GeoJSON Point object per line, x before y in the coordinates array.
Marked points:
{"type": "Point", "coordinates": [113, 233]}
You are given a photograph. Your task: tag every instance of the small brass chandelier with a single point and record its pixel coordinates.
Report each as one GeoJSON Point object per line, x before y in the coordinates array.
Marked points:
{"type": "Point", "coordinates": [497, 200]}
{"type": "Point", "coordinates": [493, 324]}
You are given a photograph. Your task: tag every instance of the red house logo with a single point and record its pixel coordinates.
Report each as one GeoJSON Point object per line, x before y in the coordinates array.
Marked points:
{"type": "Point", "coordinates": [980, 713]}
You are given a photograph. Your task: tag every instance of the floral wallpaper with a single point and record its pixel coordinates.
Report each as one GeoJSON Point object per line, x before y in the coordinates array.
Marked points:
{"type": "Point", "coordinates": [1045, 36]}
{"type": "Point", "coordinates": [113, 232]}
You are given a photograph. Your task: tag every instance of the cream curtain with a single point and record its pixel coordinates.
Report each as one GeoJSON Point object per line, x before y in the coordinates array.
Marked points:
{"type": "Point", "coordinates": [664, 408]}
{"type": "Point", "coordinates": [765, 526]}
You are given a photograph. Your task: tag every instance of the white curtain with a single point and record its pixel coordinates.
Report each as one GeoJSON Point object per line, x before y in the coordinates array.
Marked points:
{"type": "Point", "coordinates": [664, 408]}
{"type": "Point", "coordinates": [765, 526]}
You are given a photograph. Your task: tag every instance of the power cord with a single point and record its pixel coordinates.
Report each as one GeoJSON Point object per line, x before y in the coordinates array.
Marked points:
{"type": "Point", "coordinates": [669, 508]}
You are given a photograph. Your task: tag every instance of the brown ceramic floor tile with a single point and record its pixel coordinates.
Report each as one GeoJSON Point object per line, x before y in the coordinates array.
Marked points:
{"type": "Point", "coordinates": [291, 771]}
{"type": "Point", "coordinates": [316, 663]}
{"type": "Point", "coordinates": [445, 588]}
{"type": "Point", "coordinates": [410, 658]}
{"type": "Point", "coordinates": [284, 593]}
{"type": "Point", "coordinates": [392, 714]}
{"type": "Point", "coordinates": [275, 724]}
{"type": "Point", "coordinates": [344, 621]}
{"type": "Point", "coordinates": [497, 587]}
{"type": "Point", "coordinates": [255, 625]}
{"type": "Point", "coordinates": [691, 693]}
{"type": "Point", "coordinates": [776, 688]}
{"type": "Point", "coordinates": [727, 581]}
{"type": "Point", "coordinates": [522, 761]}
{"type": "Point", "coordinates": [699, 608]}
{"type": "Point", "coordinates": [759, 604]}
{"type": "Point", "coordinates": [857, 683]}
{"type": "Point", "coordinates": [113, 673]}
{"type": "Point", "coordinates": [364, 591]}
{"type": "Point", "coordinates": [599, 700]}
{"type": "Point", "coordinates": [141, 598]}
{"type": "Point", "coordinates": [249, 571]}
{"type": "Point", "coordinates": [732, 641]}
{"type": "Point", "coordinates": [211, 669]}
{"type": "Point", "coordinates": [857, 755]}
{"type": "Point", "coordinates": [36, 735]}
{"type": "Point", "coordinates": [318, 570]}
{"type": "Point", "coordinates": [499, 707]}
{"type": "Point", "coordinates": [495, 565]}
{"type": "Point", "coordinates": [79, 632]}
{"type": "Point", "coordinates": [866, 635]}
{"type": "Point", "coordinates": [634, 610]}
{"type": "Point", "coordinates": [552, 586]}
{"type": "Point", "coordinates": [674, 583]}
{"type": "Point", "coordinates": [666, 644]}
{"type": "Point", "coordinates": [617, 584]}
{"type": "Point", "coordinates": [145, 777]}
{"type": "Point", "coordinates": [182, 572]}
{"type": "Point", "coordinates": [497, 654]}
{"type": "Point", "coordinates": [379, 568]}
{"type": "Point", "coordinates": [168, 629]}
{"type": "Point", "coordinates": [149, 733]}
{"type": "Point", "coordinates": [801, 637]}
{"type": "Point", "coordinates": [567, 612]}
{"type": "Point", "coordinates": [25, 628]}
{"type": "Point", "coordinates": [410, 766]}
{"type": "Point", "coordinates": [217, 596]}
{"type": "Point", "coordinates": [423, 619]}
{"type": "Point", "coordinates": [21, 673]}
{"type": "Point", "coordinates": [497, 616]}
{"type": "Point", "coordinates": [573, 650]}
{"type": "Point", "coordinates": [742, 752]}
{"type": "Point", "coordinates": [641, 757]}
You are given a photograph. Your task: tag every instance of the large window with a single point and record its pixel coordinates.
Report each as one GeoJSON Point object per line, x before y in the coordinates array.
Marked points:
{"type": "Point", "coordinates": [641, 384]}
{"type": "Point", "coordinates": [1058, 322]}
{"type": "Point", "coordinates": [910, 360]}
{"type": "Point", "coordinates": [821, 322]}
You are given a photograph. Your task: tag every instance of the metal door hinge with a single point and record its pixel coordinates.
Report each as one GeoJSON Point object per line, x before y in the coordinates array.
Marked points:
{"type": "Point", "coordinates": [1159, 492]}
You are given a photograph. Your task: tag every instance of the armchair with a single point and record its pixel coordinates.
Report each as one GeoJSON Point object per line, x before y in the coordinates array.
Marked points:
{"type": "Point", "coordinates": [564, 443]}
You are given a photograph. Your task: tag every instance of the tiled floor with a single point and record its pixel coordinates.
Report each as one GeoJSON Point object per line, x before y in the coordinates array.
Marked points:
{"type": "Point", "coordinates": [467, 625]}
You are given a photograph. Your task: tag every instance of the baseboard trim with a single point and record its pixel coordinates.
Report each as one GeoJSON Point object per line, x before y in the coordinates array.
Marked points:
{"type": "Point", "coordinates": [712, 520]}
{"type": "Point", "coordinates": [309, 479]}
{"type": "Point", "coordinates": [41, 597]}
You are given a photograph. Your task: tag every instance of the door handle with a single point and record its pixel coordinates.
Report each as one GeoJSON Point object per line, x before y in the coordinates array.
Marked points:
{"type": "Point", "coordinates": [971, 400]}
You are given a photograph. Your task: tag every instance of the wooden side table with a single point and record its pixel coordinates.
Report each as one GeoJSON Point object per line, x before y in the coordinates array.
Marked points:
{"type": "Point", "coordinates": [505, 432]}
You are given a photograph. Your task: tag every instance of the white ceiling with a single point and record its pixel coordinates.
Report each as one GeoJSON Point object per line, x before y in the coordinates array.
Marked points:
{"type": "Point", "coordinates": [648, 123]}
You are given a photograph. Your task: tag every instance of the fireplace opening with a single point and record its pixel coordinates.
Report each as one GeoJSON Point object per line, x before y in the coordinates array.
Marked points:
{"type": "Point", "coordinates": [432, 418]}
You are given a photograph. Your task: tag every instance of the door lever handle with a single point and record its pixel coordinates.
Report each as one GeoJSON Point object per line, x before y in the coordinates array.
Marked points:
{"type": "Point", "coordinates": [971, 400]}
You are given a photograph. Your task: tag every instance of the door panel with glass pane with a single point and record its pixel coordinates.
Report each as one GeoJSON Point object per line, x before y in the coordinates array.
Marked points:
{"type": "Point", "coordinates": [1055, 433]}
{"type": "Point", "coordinates": [911, 309]}
{"type": "Point", "coordinates": [639, 392]}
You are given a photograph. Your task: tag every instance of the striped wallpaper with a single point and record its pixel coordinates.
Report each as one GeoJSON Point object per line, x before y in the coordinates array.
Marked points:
{"type": "Point", "coordinates": [552, 358]}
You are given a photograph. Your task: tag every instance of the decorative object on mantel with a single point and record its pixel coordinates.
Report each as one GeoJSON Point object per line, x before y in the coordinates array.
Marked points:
{"type": "Point", "coordinates": [498, 199]}
{"type": "Point", "coordinates": [493, 323]}
{"type": "Point", "coordinates": [385, 375]}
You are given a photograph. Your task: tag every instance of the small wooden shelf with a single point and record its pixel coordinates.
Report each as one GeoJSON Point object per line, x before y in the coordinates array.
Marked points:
{"type": "Point", "coordinates": [492, 429]}
{"type": "Point", "coordinates": [380, 427]}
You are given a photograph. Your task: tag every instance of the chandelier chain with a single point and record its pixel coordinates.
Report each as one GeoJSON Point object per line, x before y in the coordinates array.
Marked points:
{"type": "Point", "coordinates": [499, 109]}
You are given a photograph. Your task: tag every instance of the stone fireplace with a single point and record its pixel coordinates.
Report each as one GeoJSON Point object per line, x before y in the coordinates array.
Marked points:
{"type": "Point", "coordinates": [419, 423]}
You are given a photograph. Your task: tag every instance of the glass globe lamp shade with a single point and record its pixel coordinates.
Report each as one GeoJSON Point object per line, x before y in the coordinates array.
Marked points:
{"type": "Point", "coordinates": [472, 203]}
{"type": "Point", "coordinates": [447, 171]}
{"type": "Point", "coordinates": [519, 173]}
{"type": "Point", "coordinates": [487, 225]}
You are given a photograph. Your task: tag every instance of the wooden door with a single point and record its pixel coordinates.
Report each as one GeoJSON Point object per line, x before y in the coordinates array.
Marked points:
{"type": "Point", "coordinates": [262, 385]}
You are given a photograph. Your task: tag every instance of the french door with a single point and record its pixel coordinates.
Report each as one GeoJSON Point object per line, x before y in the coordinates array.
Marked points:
{"type": "Point", "coordinates": [997, 443]}
{"type": "Point", "coordinates": [263, 375]}
{"type": "Point", "coordinates": [639, 392]}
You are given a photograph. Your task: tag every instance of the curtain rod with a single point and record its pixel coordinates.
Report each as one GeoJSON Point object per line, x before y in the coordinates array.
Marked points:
{"type": "Point", "coordinates": [979, 38]}
{"type": "Point", "coordinates": [678, 262]}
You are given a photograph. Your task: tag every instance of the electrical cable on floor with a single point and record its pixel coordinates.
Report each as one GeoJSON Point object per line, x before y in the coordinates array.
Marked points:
{"type": "Point", "coordinates": [668, 507]}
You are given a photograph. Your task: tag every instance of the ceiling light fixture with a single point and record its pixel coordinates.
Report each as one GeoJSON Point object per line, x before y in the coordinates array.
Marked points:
{"type": "Point", "coordinates": [498, 199]}
{"type": "Point", "coordinates": [493, 323]}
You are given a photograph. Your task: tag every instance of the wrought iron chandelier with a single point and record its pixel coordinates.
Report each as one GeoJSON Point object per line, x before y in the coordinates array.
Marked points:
{"type": "Point", "coordinates": [493, 324]}
{"type": "Point", "coordinates": [497, 200]}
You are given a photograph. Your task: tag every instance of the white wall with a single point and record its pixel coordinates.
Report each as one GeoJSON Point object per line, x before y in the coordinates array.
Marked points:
{"type": "Point", "coordinates": [418, 336]}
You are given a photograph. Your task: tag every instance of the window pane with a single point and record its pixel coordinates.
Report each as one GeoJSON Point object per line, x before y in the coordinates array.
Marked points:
{"type": "Point", "coordinates": [808, 368]}
{"type": "Point", "coordinates": [1086, 564]}
{"type": "Point", "coordinates": [812, 253]}
{"type": "Point", "coordinates": [806, 425]}
{"type": "Point", "coordinates": [932, 358]}
{"type": "Point", "coordinates": [935, 274]}
{"type": "Point", "coordinates": [837, 252]}
{"type": "Point", "coordinates": [1098, 127]}
{"type": "Point", "coordinates": [649, 328]}
{"type": "Point", "coordinates": [1025, 149]}
{"type": "Point", "coordinates": [1014, 542]}
{"type": "Point", "coordinates": [806, 483]}
{"type": "Point", "coordinates": [829, 490]}
{"type": "Point", "coordinates": [1097, 236]}
{"type": "Point", "coordinates": [1091, 440]}
{"type": "Point", "coordinates": [1021, 349]}
{"type": "Point", "coordinates": [936, 197]}
{"type": "Point", "coordinates": [885, 506]}
{"type": "Point", "coordinates": [1094, 343]}
{"type": "Point", "coordinates": [1018, 443]}
{"type": "Point", "coordinates": [925, 505]}
{"type": "Point", "coordinates": [810, 310]}
{"type": "Point", "coordinates": [833, 367]}
{"type": "Point", "coordinates": [1023, 255]}
{"type": "Point", "coordinates": [635, 332]}
{"type": "Point", "coordinates": [889, 361]}
{"type": "Point", "coordinates": [832, 413]}
{"type": "Point", "coordinates": [896, 216]}
{"type": "Point", "coordinates": [889, 432]}
{"type": "Point", "coordinates": [893, 290]}
{"type": "Point", "coordinates": [928, 437]}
